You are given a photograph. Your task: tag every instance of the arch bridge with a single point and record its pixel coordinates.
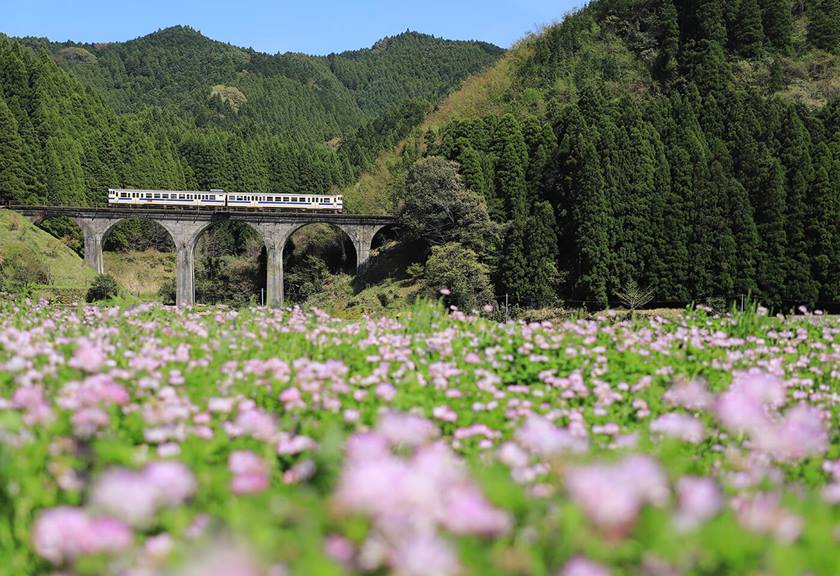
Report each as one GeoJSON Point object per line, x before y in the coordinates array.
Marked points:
{"type": "Point", "coordinates": [185, 227]}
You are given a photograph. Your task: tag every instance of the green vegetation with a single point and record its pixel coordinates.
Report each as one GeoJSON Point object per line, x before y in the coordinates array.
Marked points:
{"type": "Point", "coordinates": [692, 148]}
{"type": "Point", "coordinates": [31, 258]}
{"type": "Point", "coordinates": [104, 287]}
{"type": "Point", "coordinates": [177, 110]}
{"type": "Point", "coordinates": [141, 273]}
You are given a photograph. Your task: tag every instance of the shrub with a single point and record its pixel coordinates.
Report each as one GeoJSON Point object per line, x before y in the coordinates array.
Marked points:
{"type": "Point", "coordinates": [167, 291]}
{"type": "Point", "coordinates": [456, 269]}
{"type": "Point", "coordinates": [21, 269]}
{"type": "Point", "coordinates": [104, 287]}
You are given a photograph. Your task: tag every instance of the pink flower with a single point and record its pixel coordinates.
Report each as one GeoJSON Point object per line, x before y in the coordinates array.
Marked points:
{"type": "Point", "coordinates": [445, 413]}
{"type": "Point", "coordinates": [580, 566]}
{"type": "Point", "coordinates": [250, 474]}
{"type": "Point", "coordinates": [425, 555]}
{"type": "Point", "coordinates": [173, 480]}
{"type": "Point", "coordinates": [136, 496]}
{"type": "Point", "coordinates": [613, 494]}
{"type": "Point", "coordinates": [681, 426]}
{"type": "Point", "coordinates": [540, 436]}
{"type": "Point", "coordinates": [691, 394]}
{"type": "Point", "coordinates": [61, 534]}
{"type": "Point", "coordinates": [799, 435]}
{"type": "Point", "coordinates": [339, 549]}
{"type": "Point", "coordinates": [762, 514]}
{"type": "Point", "coordinates": [699, 500]}
{"type": "Point", "coordinates": [257, 424]}
{"type": "Point", "coordinates": [469, 512]}
{"type": "Point", "coordinates": [87, 357]}
{"type": "Point", "coordinates": [406, 429]}
{"type": "Point", "coordinates": [445, 291]}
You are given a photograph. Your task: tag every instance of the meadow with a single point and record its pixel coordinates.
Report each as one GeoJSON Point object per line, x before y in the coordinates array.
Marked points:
{"type": "Point", "coordinates": [141, 440]}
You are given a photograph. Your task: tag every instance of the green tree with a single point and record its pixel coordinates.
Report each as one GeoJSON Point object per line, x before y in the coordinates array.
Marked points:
{"type": "Point", "coordinates": [541, 247]}
{"type": "Point", "coordinates": [778, 23]}
{"type": "Point", "coordinates": [770, 221]}
{"type": "Point", "coordinates": [438, 209]}
{"type": "Point", "coordinates": [587, 204]}
{"type": "Point", "coordinates": [454, 268]}
{"type": "Point", "coordinates": [12, 175]}
{"type": "Point", "coordinates": [104, 287]}
{"type": "Point", "coordinates": [824, 24]}
{"type": "Point", "coordinates": [824, 205]}
{"type": "Point", "coordinates": [749, 30]}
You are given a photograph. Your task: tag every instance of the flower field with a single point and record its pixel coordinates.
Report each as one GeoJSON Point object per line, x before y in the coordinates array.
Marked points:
{"type": "Point", "coordinates": [146, 441]}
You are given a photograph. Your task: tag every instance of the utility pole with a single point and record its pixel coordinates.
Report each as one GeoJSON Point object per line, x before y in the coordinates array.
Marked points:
{"type": "Point", "coordinates": [507, 309]}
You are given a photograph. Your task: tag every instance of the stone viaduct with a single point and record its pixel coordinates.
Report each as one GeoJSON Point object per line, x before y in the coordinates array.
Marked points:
{"type": "Point", "coordinates": [185, 227]}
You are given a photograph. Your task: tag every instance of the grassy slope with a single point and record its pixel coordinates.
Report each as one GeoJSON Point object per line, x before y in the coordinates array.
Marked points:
{"type": "Point", "coordinates": [141, 273]}
{"type": "Point", "coordinates": [67, 269]}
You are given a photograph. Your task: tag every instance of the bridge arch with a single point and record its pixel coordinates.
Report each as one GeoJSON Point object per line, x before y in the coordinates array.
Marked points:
{"type": "Point", "coordinates": [186, 226]}
{"type": "Point", "coordinates": [223, 238]}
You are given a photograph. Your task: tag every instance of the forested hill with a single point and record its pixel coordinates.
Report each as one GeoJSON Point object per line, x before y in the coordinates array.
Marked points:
{"type": "Point", "coordinates": [689, 146]}
{"type": "Point", "coordinates": [176, 109]}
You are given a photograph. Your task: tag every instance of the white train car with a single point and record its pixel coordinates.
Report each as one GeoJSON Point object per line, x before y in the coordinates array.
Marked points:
{"type": "Point", "coordinates": [219, 199]}
{"type": "Point", "coordinates": [286, 201]}
{"type": "Point", "coordinates": [195, 199]}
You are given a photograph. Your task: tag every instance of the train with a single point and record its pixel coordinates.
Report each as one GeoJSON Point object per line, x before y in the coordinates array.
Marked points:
{"type": "Point", "coordinates": [219, 199]}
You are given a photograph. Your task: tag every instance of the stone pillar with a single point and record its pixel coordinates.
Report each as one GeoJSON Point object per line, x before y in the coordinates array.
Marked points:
{"type": "Point", "coordinates": [362, 237]}
{"type": "Point", "coordinates": [275, 236]}
{"type": "Point", "coordinates": [94, 230]}
{"type": "Point", "coordinates": [184, 235]}
{"type": "Point", "coordinates": [93, 252]}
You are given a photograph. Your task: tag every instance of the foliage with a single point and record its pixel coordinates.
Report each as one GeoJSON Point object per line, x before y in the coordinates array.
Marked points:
{"type": "Point", "coordinates": [104, 287]}
{"type": "Point", "coordinates": [455, 271]}
{"type": "Point", "coordinates": [438, 209]}
{"type": "Point", "coordinates": [673, 143]}
{"type": "Point", "coordinates": [22, 268]}
{"type": "Point", "coordinates": [306, 280]}
{"type": "Point", "coordinates": [177, 110]}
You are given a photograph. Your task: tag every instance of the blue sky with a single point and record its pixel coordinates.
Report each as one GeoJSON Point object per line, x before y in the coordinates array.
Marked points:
{"type": "Point", "coordinates": [310, 26]}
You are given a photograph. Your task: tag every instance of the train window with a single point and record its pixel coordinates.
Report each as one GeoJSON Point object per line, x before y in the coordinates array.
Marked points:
{"type": "Point", "coordinates": [148, 195]}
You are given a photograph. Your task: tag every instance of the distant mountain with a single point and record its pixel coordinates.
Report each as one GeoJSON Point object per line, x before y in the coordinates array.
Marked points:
{"type": "Point", "coordinates": [295, 96]}
{"type": "Point", "coordinates": [177, 109]}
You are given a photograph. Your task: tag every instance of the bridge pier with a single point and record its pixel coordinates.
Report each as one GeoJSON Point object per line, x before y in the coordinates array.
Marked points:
{"type": "Point", "coordinates": [275, 235]}
{"type": "Point", "coordinates": [184, 235]}
{"type": "Point", "coordinates": [362, 237]}
{"type": "Point", "coordinates": [94, 230]}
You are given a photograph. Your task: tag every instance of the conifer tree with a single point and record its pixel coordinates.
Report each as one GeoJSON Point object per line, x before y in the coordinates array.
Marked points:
{"type": "Point", "coordinates": [667, 61]}
{"type": "Point", "coordinates": [778, 23]}
{"type": "Point", "coordinates": [795, 143]}
{"type": "Point", "coordinates": [510, 182]}
{"type": "Point", "coordinates": [770, 221]}
{"type": "Point", "coordinates": [824, 206]}
{"type": "Point", "coordinates": [472, 170]}
{"type": "Point", "coordinates": [584, 184]}
{"type": "Point", "coordinates": [749, 30]}
{"type": "Point", "coordinates": [712, 249]}
{"type": "Point", "coordinates": [541, 247]}
{"type": "Point", "coordinates": [12, 182]}
{"type": "Point", "coordinates": [824, 24]}
{"type": "Point", "coordinates": [515, 266]}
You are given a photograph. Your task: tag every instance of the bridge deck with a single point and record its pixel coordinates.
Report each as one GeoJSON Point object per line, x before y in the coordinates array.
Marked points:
{"type": "Point", "coordinates": [204, 214]}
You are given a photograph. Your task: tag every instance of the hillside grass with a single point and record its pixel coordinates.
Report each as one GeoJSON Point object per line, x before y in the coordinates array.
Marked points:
{"type": "Point", "coordinates": [19, 236]}
{"type": "Point", "coordinates": [141, 273]}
